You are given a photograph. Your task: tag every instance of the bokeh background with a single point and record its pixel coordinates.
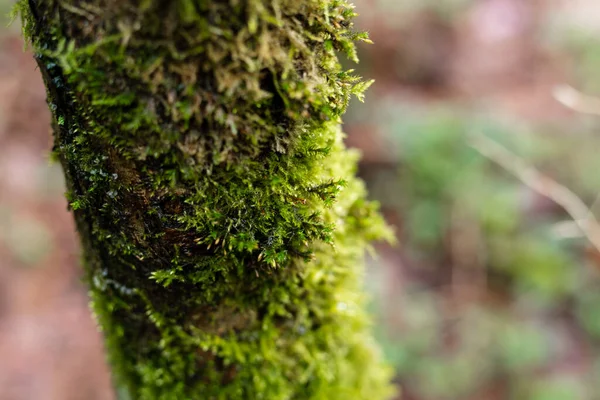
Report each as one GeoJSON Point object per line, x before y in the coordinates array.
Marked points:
{"type": "Point", "coordinates": [493, 291]}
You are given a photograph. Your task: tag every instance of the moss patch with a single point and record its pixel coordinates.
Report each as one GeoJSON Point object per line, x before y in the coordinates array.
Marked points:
{"type": "Point", "coordinates": [222, 225]}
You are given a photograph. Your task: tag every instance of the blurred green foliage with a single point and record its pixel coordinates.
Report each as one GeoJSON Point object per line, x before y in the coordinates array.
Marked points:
{"type": "Point", "coordinates": [5, 8]}
{"type": "Point", "coordinates": [538, 280]}
{"type": "Point", "coordinates": [445, 186]}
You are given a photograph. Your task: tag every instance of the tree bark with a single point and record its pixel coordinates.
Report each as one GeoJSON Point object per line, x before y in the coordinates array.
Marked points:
{"type": "Point", "coordinates": [222, 227]}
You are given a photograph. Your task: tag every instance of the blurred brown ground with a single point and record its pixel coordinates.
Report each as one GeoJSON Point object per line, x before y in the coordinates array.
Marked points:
{"type": "Point", "coordinates": [49, 345]}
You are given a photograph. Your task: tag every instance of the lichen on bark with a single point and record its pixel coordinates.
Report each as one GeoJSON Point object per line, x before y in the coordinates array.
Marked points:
{"type": "Point", "coordinates": [223, 228]}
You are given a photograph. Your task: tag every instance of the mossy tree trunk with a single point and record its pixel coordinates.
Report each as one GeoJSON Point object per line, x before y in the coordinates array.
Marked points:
{"type": "Point", "coordinates": [223, 229]}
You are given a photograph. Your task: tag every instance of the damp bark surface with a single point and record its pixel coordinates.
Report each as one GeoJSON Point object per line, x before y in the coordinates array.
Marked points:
{"type": "Point", "coordinates": [222, 226]}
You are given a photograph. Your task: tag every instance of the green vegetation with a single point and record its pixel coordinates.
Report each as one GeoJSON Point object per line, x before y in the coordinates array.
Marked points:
{"type": "Point", "coordinates": [540, 279]}
{"type": "Point", "coordinates": [222, 225]}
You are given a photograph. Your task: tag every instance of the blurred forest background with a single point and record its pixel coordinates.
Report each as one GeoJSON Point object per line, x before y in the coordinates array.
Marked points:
{"type": "Point", "coordinates": [492, 293]}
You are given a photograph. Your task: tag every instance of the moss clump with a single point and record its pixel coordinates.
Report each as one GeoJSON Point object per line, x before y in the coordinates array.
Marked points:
{"type": "Point", "coordinates": [222, 225]}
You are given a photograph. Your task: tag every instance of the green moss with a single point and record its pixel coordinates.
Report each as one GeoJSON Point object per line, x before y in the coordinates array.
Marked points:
{"type": "Point", "coordinates": [222, 225]}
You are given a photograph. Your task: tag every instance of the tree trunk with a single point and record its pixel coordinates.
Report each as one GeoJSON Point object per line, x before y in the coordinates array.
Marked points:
{"type": "Point", "coordinates": [222, 227]}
